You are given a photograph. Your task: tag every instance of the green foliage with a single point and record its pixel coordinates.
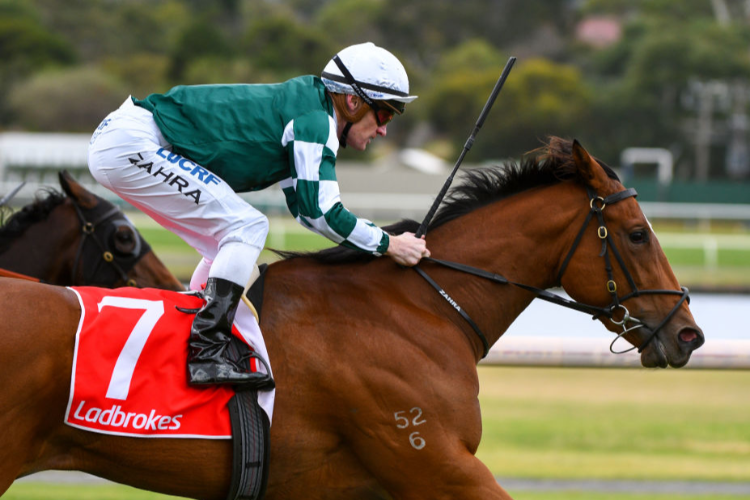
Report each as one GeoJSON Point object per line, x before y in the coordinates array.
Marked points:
{"type": "Point", "coordinates": [631, 93]}
{"type": "Point", "coordinates": [199, 39]}
{"type": "Point", "coordinates": [142, 73]}
{"type": "Point", "coordinates": [25, 43]}
{"type": "Point", "coordinates": [542, 98]}
{"type": "Point", "coordinates": [74, 100]}
{"type": "Point", "coordinates": [287, 47]}
{"type": "Point", "coordinates": [347, 22]}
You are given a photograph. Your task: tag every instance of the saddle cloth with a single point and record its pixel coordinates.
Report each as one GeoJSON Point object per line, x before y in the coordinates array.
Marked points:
{"type": "Point", "coordinates": [129, 373]}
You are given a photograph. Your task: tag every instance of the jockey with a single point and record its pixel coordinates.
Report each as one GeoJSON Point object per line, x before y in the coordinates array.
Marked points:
{"type": "Point", "coordinates": [182, 156]}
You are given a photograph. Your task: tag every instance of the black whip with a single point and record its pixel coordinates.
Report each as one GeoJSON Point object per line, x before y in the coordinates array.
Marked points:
{"type": "Point", "coordinates": [469, 142]}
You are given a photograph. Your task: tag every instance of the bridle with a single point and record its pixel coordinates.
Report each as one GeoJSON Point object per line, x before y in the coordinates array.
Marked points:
{"type": "Point", "coordinates": [597, 205]}
{"type": "Point", "coordinates": [93, 230]}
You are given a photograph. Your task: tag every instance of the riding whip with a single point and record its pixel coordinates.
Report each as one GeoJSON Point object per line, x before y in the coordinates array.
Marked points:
{"type": "Point", "coordinates": [469, 142]}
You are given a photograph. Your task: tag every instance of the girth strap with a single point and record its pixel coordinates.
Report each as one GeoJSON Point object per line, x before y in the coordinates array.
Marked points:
{"type": "Point", "coordinates": [10, 274]}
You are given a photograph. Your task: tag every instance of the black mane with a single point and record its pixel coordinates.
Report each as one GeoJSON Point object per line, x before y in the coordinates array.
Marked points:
{"type": "Point", "coordinates": [28, 216]}
{"type": "Point", "coordinates": [478, 187]}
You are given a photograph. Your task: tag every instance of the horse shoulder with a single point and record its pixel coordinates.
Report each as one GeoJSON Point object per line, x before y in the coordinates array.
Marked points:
{"type": "Point", "coordinates": [345, 347]}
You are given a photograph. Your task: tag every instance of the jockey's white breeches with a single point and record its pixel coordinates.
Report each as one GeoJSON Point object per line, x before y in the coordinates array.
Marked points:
{"type": "Point", "coordinates": [129, 155]}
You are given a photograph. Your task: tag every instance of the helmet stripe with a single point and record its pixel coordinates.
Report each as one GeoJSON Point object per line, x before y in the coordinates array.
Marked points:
{"type": "Point", "coordinates": [362, 85]}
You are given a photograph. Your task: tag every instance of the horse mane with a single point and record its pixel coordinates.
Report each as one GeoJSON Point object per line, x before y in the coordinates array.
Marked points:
{"type": "Point", "coordinates": [550, 164]}
{"type": "Point", "coordinates": [29, 215]}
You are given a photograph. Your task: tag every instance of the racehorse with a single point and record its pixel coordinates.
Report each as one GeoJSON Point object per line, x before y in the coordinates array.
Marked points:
{"type": "Point", "coordinates": [376, 372]}
{"type": "Point", "coordinates": [78, 238]}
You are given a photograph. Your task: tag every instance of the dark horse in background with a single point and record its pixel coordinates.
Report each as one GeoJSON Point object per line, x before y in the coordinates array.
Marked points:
{"type": "Point", "coordinates": [78, 238]}
{"type": "Point", "coordinates": [376, 372]}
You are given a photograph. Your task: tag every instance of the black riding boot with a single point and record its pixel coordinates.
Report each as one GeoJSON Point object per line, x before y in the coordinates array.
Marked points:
{"type": "Point", "coordinates": [210, 336]}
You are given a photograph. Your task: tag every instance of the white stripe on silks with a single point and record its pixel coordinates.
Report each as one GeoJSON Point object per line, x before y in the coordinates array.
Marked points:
{"type": "Point", "coordinates": [288, 135]}
{"type": "Point", "coordinates": [333, 139]}
{"type": "Point", "coordinates": [307, 159]}
{"type": "Point", "coordinates": [328, 195]}
{"type": "Point", "coordinates": [287, 183]}
{"type": "Point", "coordinates": [365, 236]}
{"type": "Point", "coordinates": [320, 226]}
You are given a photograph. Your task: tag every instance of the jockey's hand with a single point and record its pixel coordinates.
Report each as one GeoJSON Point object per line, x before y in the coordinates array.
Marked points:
{"type": "Point", "coordinates": [406, 249]}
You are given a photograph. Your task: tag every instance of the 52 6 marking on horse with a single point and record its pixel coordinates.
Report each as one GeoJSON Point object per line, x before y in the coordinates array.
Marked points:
{"type": "Point", "coordinates": [402, 422]}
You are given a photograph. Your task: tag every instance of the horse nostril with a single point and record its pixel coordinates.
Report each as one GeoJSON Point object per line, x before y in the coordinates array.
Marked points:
{"type": "Point", "coordinates": [688, 335]}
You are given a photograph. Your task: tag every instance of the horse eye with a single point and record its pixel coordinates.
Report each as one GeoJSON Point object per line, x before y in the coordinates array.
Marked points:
{"type": "Point", "coordinates": [125, 240]}
{"type": "Point", "coordinates": [639, 237]}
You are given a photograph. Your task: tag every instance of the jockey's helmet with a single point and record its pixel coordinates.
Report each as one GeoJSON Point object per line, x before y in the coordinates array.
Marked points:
{"type": "Point", "coordinates": [373, 74]}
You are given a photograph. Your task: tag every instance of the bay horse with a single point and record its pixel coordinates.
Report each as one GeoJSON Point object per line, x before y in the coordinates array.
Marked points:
{"type": "Point", "coordinates": [375, 371]}
{"type": "Point", "coordinates": [78, 238]}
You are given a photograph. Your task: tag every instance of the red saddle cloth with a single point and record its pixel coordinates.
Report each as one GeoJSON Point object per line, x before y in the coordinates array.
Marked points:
{"type": "Point", "coordinates": [129, 368]}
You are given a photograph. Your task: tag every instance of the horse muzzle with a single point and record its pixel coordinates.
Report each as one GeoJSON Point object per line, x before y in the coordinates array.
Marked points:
{"type": "Point", "coordinates": [671, 346]}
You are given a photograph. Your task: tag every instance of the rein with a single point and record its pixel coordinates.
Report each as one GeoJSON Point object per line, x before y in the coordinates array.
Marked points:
{"type": "Point", "coordinates": [597, 205]}
{"type": "Point", "coordinates": [10, 274]}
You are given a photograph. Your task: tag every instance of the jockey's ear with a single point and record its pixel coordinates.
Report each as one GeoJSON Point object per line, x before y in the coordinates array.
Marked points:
{"type": "Point", "coordinates": [353, 102]}
{"type": "Point", "coordinates": [589, 170]}
{"type": "Point", "coordinates": [74, 190]}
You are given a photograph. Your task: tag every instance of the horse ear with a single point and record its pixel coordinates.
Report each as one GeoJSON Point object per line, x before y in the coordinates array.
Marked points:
{"type": "Point", "coordinates": [589, 170]}
{"type": "Point", "coordinates": [74, 190]}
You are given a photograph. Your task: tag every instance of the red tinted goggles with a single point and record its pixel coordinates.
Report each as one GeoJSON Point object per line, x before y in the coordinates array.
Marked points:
{"type": "Point", "coordinates": [385, 113]}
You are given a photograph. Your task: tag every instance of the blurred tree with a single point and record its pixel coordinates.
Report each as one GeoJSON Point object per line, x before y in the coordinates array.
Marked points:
{"type": "Point", "coordinates": [287, 47]}
{"type": "Point", "coordinates": [647, 83]}
{"type": "Point", "coordinates": [199, 39]}
{"type": "Point", "coordinates": [424, 29]}
{"type": "Point", "coordinates": [543, 98]}
{"type": "Point", "coordinates": [455, 99]}
{"type": "Point", "coordinates": [25, 47]}
{"type": "Point", "coordinates": [212, 70]}
{"type": "Point", "coordinates": [540, 99]}
{"type": "Point", "coordinates": [143, 73]}
{"type": "Point", "coordinates": [73, 100]}
{"type": "Point", "coordinates": [100, 29]}
{"type": "Point", "coordinates": [347, 22]}
{"type": "Point", "coordinates": [651, 9]}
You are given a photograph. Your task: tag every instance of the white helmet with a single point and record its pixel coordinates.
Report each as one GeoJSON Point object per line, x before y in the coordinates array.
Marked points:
{"type": "Point", "coordinates": [371, 70]}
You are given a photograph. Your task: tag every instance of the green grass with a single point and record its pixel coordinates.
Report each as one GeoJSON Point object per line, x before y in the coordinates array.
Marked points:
{"type": "Point", "coordinates": [616, 423]}
{"type": "Point", "coordinates": [575, 495]}
{"type": "Point", "coordinates": [35, 491]}
{"type": "Point", "coordinates": [567, 423]}
{"type": "Point", "coordinates": [43, 491]}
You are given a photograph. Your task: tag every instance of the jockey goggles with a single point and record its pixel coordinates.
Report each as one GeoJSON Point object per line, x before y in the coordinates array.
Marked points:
{"type": "Point", "coordinates": [384, 110]}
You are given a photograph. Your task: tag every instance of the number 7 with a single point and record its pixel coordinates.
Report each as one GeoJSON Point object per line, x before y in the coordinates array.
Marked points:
{"type": "Point", "coordinates": [119, 384]}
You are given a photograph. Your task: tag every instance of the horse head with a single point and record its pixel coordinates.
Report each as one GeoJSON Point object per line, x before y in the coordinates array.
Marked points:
{"type": "Point", "coordinates": [110, 245]}
{"type": "Point", "coordinates": [80, 239]}
{"type": "Point", "coordinates": [619, 266]}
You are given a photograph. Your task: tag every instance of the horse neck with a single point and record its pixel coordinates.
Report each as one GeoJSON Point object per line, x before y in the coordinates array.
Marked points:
{"type": "Point", "coordinates": [523, 238]}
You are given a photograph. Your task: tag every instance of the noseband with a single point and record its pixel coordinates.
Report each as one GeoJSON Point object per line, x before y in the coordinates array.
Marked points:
{"type": "Point", "coordinates": [597, 205]}
{"type": "Point", "coordinates": [94, 230]}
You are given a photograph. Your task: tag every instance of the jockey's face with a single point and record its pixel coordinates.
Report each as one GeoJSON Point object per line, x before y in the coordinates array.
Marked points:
{"type": "Point", "coordinates": [364, 131]}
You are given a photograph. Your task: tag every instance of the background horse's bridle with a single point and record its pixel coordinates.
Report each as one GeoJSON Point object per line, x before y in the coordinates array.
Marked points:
{"type": "Point", "coordinates": [597, 205]}
{"type": "Point", "coordinates": [92, 229]}
{"type": "Point", "coordinates": [101, 252]}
